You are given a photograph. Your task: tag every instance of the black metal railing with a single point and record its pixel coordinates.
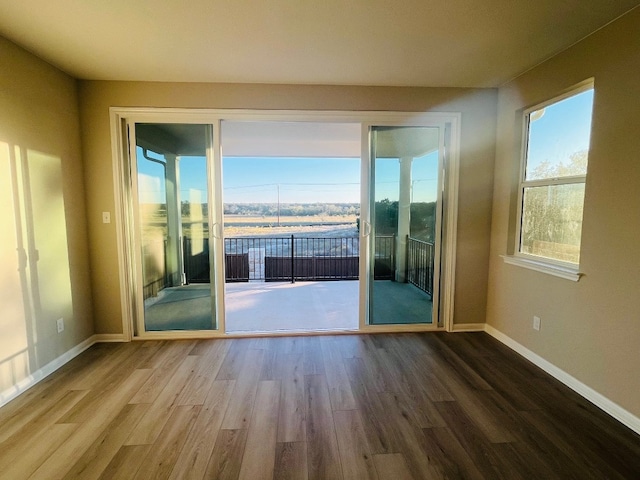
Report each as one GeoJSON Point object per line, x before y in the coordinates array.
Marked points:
{"type": "Point", "coordinates": [290, 258]}
{"type": "Point", "coordinates": [420, 261]}
{"type": "Point", "coordinates": [276, 259]}
{"type": "Point", "coordinates": [316, 259]}
{"type": "Point", "coordinates": [384, 257]}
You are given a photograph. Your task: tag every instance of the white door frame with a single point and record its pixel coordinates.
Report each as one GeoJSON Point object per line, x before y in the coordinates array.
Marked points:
{"type": "Point", "coordinates": [125, 221]}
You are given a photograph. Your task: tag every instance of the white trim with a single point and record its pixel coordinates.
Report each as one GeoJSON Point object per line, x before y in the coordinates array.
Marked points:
{"type": "Point", "coordinates": [200, 115]}
{"type": "Point", "coordinates": [544, 267]}
{"type": "Point", "coordinates": [468, 327]}
{"type": "Point", "coordinates": [365, 226]}
{"type": "Point", "coordinates": [400, 328]}
{"type": "Point", "coordinates": [179, 334]}
{"type": "Point", "coordinates": [216, 214]}
{"type": "Point", "coordinates": [211, 334]}
{"type": "Point", "coordinates": [203, 334]}
{"type": "Point", "coordinates": [553, 181]}
{"type": "Point", "coordinates": [109, 338]}
{"type": "Point", "coordinates": [452, 174]}
{"type": "Point", "coordinates": [121, 220]}
{"type": "Point", "coordinates": [616, 411]}
{"type": "Point", "coordinates": [28, 382]}
{"type": "Point", "coordinates": [134, 238]}
{"type": "Point", "coordinates": [439, 237]}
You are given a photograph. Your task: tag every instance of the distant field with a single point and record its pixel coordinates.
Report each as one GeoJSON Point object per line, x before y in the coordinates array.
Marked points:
{"type": "Point", "coordinates": [154, 227]}
{"type": "Point", "coordinates": [265, 220]}
{"type": "Point", "coordinates": [303, 226]}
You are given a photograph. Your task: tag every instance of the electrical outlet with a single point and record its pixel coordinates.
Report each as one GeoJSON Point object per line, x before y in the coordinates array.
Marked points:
{"type": "Point", "coordinates": [106, 217]}
{"type": "Point", "coordinates": [536, 323]}
{"type": "Point", "coordinates": [60, 325]}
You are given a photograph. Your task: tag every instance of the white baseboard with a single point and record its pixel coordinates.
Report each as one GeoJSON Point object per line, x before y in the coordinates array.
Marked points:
{"type": "Point", "coordinates": [616, 411]}
{"type": "Point", "coordinates": [28, 382]}
{"type": "Point", "coordinates": [108, 338]}
{"type": "Point", "coordinates": [468, 327]}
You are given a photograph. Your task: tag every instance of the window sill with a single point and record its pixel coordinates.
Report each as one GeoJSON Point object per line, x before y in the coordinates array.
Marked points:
{"type": "Point", "coordinates": [544, 267]}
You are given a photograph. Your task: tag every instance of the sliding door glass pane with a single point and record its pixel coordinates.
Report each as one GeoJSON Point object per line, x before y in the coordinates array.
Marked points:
{"type": "Point", "coordinates": [403, 217]}
{"type": "Point", "coordinates": [173, 202]}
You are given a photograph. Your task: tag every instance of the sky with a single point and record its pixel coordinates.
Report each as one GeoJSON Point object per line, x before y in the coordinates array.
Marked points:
{"type": "Point", "coordinates": [424, 178]}
{"type": "Point", "coordinates": [296, 180]}
{"type": "Point", "coordinates": [311, 180]}
{"type": "Point", "coordinates": [300, 180]}
{"type": "Point", "coordinates": [564, 128]}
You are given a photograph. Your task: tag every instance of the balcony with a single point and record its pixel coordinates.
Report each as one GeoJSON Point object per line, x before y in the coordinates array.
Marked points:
{"type": "Point", "coordinates": [294, 284]}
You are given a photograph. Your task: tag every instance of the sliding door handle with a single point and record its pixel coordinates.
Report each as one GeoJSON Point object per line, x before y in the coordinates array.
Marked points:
{"type": "Point", "coordinates": [366, 229]}
{"type": "Point", "coordinates": [216, 230]}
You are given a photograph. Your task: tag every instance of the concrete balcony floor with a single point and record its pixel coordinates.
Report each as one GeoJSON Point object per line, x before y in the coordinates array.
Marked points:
{"type": "Point", "coordinates": [279, 307]}
{"type": "Point", "coordinates": [291, 307]}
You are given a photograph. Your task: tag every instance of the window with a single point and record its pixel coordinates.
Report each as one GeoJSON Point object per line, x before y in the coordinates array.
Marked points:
{"type": "Point", "coordinates": [553, 175]}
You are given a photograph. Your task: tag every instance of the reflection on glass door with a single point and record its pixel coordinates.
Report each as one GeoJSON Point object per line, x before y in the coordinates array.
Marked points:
{"type": "Point", "coordinates": [171, 186]}
{"type": "Point", "coordinates": [405, 224]}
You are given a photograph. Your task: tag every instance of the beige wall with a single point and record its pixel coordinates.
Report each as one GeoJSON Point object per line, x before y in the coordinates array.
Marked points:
{"type": "Point", "coordinates": [590, 329]}
{"type": "Point", "coordinates": [43, 250]}
{"type": "Point", "coordinates": [478, 109]}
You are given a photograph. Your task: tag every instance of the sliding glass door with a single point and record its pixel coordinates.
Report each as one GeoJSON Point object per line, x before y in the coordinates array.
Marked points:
{"type": "Point", "coordinates": [404, 242]}
{"type": "Point", "coordinates": [171, 180]}
{"type": "Point", "coordinates": [370, 217]}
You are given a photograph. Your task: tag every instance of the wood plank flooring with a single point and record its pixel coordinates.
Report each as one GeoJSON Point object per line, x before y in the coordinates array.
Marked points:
{"type": "Point", "coordinates": [388, 406]}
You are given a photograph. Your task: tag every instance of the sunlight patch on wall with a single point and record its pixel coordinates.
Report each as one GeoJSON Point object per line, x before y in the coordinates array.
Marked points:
{"type": "Point", "coordinates": [50, 260]}
{"type": "Point", "coordinates": [14, 359]}
{"type": "Point", "coordinates": [36, 288]}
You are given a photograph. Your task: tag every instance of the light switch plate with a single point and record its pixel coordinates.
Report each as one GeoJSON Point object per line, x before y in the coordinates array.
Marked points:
{"type": "Point", "coordinates": [536, 323]}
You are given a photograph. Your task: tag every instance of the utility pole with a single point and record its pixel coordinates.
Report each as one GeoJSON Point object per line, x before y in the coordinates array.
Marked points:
{"type": "Point", "coordinates": [278, 204]}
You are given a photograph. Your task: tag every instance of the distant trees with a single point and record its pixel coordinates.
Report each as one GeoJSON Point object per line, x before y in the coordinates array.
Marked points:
{"type": "Point", "coordinates": [292, 209]}
{"type": "Point", "coordinates": [422, 219]}
{"type": "Point", "coordinates": [386, 217]}
{"type": "Point", "coordinates": [186, 209]}
{"type": "Point", "coordinates": [577, 166]}
{"type": "Point", "coordinates": [552, 214]}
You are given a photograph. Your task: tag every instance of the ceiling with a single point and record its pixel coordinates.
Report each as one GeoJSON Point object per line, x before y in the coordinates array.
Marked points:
{"type": "Point", "coordinates": [456, 43]}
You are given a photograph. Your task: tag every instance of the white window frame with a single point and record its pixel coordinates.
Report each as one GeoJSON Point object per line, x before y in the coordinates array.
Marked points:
{"type": "Point", "coordinates": [551, 266]}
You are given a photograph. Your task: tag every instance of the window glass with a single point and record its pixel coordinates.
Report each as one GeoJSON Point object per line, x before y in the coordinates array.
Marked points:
{"type": "Point", "coordinates": [552, 221]}
{"type": "Point", "coordinates": [558, 138]}
{"type": "Point", "coordinates": [553, 181]}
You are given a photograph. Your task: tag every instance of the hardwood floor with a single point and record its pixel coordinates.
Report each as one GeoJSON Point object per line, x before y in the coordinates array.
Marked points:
{"type": "Point", "coordinates": [401, 406]}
